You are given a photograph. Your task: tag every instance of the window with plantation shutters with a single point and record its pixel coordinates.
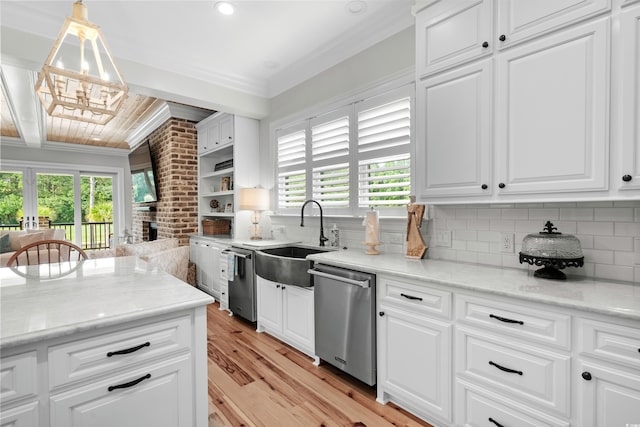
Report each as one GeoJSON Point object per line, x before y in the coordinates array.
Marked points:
{"type": "Point", "coordinates": [291, 167]}
{"type": "Point", "coordinates": [350, 159]}
{"type": "Point", "coordinates": [330, 159]}
{"type": "Point", "coordinates": [384, 142]}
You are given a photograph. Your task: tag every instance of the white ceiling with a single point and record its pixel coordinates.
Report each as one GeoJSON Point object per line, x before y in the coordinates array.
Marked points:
{"type": "Point", "coordinates": [265, 48]}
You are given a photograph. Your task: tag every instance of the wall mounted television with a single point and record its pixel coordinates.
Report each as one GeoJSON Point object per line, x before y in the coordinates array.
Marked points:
{"type": "Point", "coordinates": [143, 178]}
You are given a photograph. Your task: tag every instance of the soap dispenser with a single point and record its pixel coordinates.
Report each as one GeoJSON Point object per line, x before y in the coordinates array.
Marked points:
{"type": "Point", "coordinates": [334, 236]}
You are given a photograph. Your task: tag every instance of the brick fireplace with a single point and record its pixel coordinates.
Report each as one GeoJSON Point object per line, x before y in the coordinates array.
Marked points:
{"type": "Point", "coordinates": [174, 148]}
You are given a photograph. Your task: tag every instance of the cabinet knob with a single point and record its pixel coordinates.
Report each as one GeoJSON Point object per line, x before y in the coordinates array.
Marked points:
{"type": "Point", "coordinates": [501, 185]}
{"type": "Point", "coordinates": [485, 44]}
{"type": "Point", "coordinates": [626, 178]}
{"type": "Point", "coordinates": [586, 375]}
{"type": "Point", "coordinates": [484, 186]}
{"type": "Point", "coordinates": [502, 38]}
{"type": "Point", "coordinates": [381, 313]}
{"type": "Point", "coordinates": [277, 286]}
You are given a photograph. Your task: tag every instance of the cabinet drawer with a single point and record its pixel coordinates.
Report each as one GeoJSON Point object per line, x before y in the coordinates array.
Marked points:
{"type": "Point", "coordinates": [115, 351]}
{"type": "Point", "coordinates": [21, 416]}
{"type": "Point", "coordinates": [18, 376]}
{"type": "Point", "coordinates": [534, 374]}
{"type": "Point", "coordinates": [158, 395]}
{"type": "Point", "coordinates": [479, 408]}
{"type": "Point", "coordinates": [614, 343]}
{"type": "Point", "coordinates": [520, 321]}
{"type": "Point", "coordinates": [413, 297]}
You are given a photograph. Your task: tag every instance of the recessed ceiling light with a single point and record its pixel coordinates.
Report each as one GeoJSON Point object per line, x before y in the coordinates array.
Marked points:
{"type": "Point", "coordinates": [224, 8]}
{"type": "Point", "coordinates": [356, 6]}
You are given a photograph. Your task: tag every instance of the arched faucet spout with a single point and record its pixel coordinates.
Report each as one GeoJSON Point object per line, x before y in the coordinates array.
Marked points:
{"type": "Point", "coordinates": [322, 238]}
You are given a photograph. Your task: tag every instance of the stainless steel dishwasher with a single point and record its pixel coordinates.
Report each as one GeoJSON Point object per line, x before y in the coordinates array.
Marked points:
{"type": "Point", "coordinates": [242, 284]}
{"type": "Point", "coordinates": [345, 323]}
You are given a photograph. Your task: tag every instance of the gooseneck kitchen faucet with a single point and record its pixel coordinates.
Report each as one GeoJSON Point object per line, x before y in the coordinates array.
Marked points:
{"type": "Point", "coordinates": [322, 238]}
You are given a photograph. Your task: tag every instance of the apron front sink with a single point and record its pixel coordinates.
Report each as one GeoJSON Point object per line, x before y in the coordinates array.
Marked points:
{"type": "Point", "coordinates": [287, 265]}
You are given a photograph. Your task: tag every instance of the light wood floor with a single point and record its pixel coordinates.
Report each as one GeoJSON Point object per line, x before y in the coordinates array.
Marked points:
{"type": "Point", "coordinates": [256, 380]}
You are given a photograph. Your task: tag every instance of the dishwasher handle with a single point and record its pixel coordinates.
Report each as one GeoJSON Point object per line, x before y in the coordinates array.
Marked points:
{"type": "Point", "coordinates": [362, 283]}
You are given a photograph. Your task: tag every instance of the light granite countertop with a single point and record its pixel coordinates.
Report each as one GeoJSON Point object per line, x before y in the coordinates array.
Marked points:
{"type": "Point", "coordinates": [621, 299]}
{"type": "Point", "coordinates": [100, 292]}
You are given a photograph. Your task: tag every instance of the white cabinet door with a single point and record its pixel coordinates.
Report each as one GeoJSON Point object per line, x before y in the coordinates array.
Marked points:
{"type": "Point", "coordinates": [298, 319]}
{"type": "Point", "coordinates": [211, 263]}
{"type": "Point", "coordinates": [454, 130]}
{"type": "Point", "coordinates": [456, 35]}
{"type": "Point", "coordinates": [552, 115]}
{"type": "Point", "coordinates": [608, 396]}
{"type": "Point", "coordinates": [212, 135]}
{"type": "Point", "coordinates": [520, 20]}
{"type": "Point", "coordinates": [269, 307]}
{"type": "Point", "coordinates": [629, 173]}
{"type": "Point", "coordinates": [226, 129]}
{"type": "Point", "coordinates": [160, 395]}
{"type": "Point", "coordinates": [414, 362]}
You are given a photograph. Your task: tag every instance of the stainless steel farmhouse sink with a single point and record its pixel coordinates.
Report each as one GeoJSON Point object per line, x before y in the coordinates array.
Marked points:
{"type": "Point", "coordinates": [286, 264]}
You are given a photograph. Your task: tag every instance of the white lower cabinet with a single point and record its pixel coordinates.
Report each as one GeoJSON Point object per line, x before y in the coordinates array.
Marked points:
{"type": "Point", "coordinates": [26, 415]}
{"type": "Point", "coordinates": [414, 362]}
{"type": "Point", "coordinates": [206, 254]}
{"type": "Point", "coordinates": [500, 361]}
{"type": "Point", "coordinates": [157, 395]}
{"type": "Point", "coordinates": [414, 348]}
{"type": "Point", "coordinates": [287, 312]}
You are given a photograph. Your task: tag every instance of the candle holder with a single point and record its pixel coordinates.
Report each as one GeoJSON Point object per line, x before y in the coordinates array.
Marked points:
{"type": "Point", "coordinates": [371, 248]}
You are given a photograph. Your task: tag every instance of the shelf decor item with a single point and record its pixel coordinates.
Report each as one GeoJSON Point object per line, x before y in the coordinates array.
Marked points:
{"type": "Point", "coordinates": [256, 200]}
{"type": "Point", "coordinates": [225, 183]}
{"type": "Point", "coordinates": [87, 87]}
{"type": "Point", "coordinates": [227, 164]}
{"type": "Point", "coordinates": [552, 250]}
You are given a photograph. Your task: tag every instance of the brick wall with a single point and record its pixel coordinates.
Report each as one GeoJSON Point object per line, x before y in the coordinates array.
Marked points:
{"type": "Point", "coordinates": [174, 148]}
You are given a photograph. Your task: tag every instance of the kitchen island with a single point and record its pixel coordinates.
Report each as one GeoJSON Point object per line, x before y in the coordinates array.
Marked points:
{"type": "Point", "coordinates": [114, 342]}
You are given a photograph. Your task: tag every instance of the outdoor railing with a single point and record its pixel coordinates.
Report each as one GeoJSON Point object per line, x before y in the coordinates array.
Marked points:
{"type": "Point", "coordinates": [95, 235]}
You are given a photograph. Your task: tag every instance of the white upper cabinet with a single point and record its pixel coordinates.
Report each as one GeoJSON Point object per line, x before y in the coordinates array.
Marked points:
{"type": "Point", "coordinates": [529, 117]}
{"type": "Point", "coordinates": [551, 111]}
{"type": "Point", "coordinates": [628, 175]}
{"type": "Point", "coordinates": [453, 112]}
{"type": "Point", "coordinates": [455, 32]}
{"type": "Point", "coordinates": [520, 20]}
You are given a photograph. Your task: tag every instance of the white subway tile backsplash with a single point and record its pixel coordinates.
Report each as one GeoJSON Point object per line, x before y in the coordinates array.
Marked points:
{"type": "Point", "coordinates": [490, 259]}
{"type": "Point", "coordinates": [478, 224]}
{"type": "Point", "coordinates": [465, 234]}
{"type": "Point", "coordinates": [598, 256]}
{"type": "Point", "coordinates": [609, 233]}
{"type": "Point", "coordinates": [624, 258]}
{"type": "Point", "coordinates": [613, 214]}
{"type": "Point", "coordinates": [613, 243]}
{"type": "Point", "coordinates": [478, 246]}
{"type": "Point", "coordinates": [503, 225]}
{"type": "Point", "coordinates": [595, 228]}
{"type": "Point", "coordinates": [488, 236]}
{"type": "Point", "coordinates": [515, 213]}
{"type": "Point", "coordinates": [466, 213]}
{"type": "Point", "coordinates": [467, 256]}
{"type": "Point", "coordinates": [631, 229]}
{"type": "Point", "coordinates": [576, 214]}
{"type": "Point", "coordinates": [546, 214]}
{"type": "Point", "coordinates": [617, 272]}
{"type": "Point", "coordinates": [459, 224]}
{"type": "Point", "coordinates": [586, 241]}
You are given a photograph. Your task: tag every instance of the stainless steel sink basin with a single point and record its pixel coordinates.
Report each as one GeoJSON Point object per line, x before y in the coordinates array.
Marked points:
{"type": "Point", "coordinates": [286, 264]}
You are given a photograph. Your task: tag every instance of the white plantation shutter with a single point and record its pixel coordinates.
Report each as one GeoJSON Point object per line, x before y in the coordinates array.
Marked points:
{"type": "Point", "coordinates": [291, 167]}
{"type": "Point", "coordinates": [350, 159]}
{"type": "Point", "coordinates": [384, 142]}
{"type": "Point", "coordinates": [330, 159]}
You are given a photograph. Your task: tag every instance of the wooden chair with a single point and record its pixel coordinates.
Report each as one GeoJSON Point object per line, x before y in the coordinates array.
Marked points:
{"type": "Point", "coordinates": [58, 256]}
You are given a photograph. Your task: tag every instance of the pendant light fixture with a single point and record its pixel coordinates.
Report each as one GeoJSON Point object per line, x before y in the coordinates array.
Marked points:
{"type": "Point", "coordinates": [76, 85]}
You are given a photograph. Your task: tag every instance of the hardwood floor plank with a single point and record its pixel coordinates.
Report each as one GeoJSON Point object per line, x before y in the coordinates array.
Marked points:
{"type": "Point", "coordinates": [256, 380]}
